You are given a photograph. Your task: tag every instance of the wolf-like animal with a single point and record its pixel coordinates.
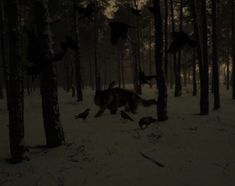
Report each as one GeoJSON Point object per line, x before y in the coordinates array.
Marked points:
{"type": "Point", "coordinates": [114, 98]}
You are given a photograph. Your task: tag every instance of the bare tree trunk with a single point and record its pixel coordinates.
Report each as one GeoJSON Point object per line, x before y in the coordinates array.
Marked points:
{"type": "Point", "coordinates": [166, 40]}
{"type": "Point", "coordinates": [15, 86]}
{"type": "Point", "coordinates": [215, 70]}
{"type": "Point", "coordinates": [178, 83]}
{"type": "Point", "coordinates": [194, 74]}
{"type": "Point", "coordinates": [51, 116]}
{"type": "Point", "coordinates": [205, 89]}
{"type": "Point", "coordinates": [77, 62]}
{"type": "Point", "coordinates": [162, 89]}
{"type": "Point", "coordinates": [96, 35]}
{"type": "Point", "coordinates": [3, 51]}
{"type": "Point", "coordinates": [233, 49]}
{"type": "Point", "coordinates": [174, 55]}
{"type": "Point", "coordinates": [1, 87]}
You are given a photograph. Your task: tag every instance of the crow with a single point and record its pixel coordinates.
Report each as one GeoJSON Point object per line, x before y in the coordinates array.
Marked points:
{"type": "Point", "coordinates": [136, 12]}
{"type": "Point", "coordinates": [180, 39]}
{"type": "Point", "coordinates": [125, 116]}
{"type": "Point", "coordinates": [83, 115]}
{"type": "Point", "coordinates": [118, 30]}
{"type": "Point", "coordinates": [112, 84]}
{"type": "Point", "coordinates": [87, 12]}
{"type": "Point", "coordinates": [146, 121]}
{"type": "Point", "coordinates": [152, 9]}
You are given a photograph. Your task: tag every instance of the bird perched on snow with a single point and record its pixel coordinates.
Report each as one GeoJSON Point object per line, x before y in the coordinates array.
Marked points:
{"type": "Point", "coordinates": [125, 116]}
{"type": "Point", "coordinates": [118, 30]}
{"type": "Point", "coordinates": [146, 121]}
{"type": "Point", "coordinates": [83, 115]}
{"type": "Point", "coordinates": [180, 39]}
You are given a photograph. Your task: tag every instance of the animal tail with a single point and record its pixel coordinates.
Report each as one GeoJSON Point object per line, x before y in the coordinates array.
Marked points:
{"type": "Point", "coordinates": [147, 103]}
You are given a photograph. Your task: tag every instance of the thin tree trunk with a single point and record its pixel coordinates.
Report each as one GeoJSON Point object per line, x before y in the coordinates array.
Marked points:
{"type": "Point", "coordinates": [233, 49]}
{"type": "Point", "coordinates": [215, 70]}
{"type": "Point", "coordinates": [166, 40]}
{"type": "Point", "coordinates": [77, 62]}
{"type": "Point", "coordinates": [194, 74]}
{"type": "Point", "coordinates": [178, 83]}
{"type": "Point", "coordinates": [15, 86]}
{"type": "Point", "coordinates": [51, 116]}
{"type": "Point", "coordinates": [96, 35]}
{"type": "Point", "coordinates": [174, 55]}
{"type": "Point", "coordinates": [162, 89]}
{"type": "Point", "coordinates": [2, 41]}
{"type": "Point", "coordinates": [205, 90]}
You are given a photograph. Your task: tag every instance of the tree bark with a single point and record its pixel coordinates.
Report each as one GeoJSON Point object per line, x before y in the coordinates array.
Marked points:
{"type": "Point", "coordinates": [194, 74]}
{"type": "Point", "coordinates": [51, 116]}
{"type": "Point", "coordinates": [205, 90]}
{"type": "Point", "coordinates": [162, 89]}
{"type": "Point", "coordinates": [77, 62]}
{"type": "Point", "coordinates": [233, 49]}
{"type": "Point", "coordinates": [15, 86]}
{"type": "Point", "coordinates": [215, 70]}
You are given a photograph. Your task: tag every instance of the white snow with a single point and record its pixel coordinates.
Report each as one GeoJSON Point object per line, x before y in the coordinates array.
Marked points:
{"type": "Point", "coordinates": [195, 150]}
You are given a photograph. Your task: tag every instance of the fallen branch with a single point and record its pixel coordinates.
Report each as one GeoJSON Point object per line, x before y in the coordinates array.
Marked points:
{"type": "Point", "coordinates": [152, 160]}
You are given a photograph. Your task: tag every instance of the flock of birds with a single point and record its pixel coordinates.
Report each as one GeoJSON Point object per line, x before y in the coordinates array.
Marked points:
{"type": "Point", "coordinates": [144, 122]}
{"type": "Point", "coordinates": [119, 30]}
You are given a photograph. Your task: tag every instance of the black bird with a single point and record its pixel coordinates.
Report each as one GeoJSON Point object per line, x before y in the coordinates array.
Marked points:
{"type": "Point", "coordinates": [136, 12]}
{"type": "Point", "coordinates": [112, 84]}
{"type": "Point", "coordinates": [118, 30]}
{"type": "Point", "coordinates": [152, 9]}
{"type": "Point", "coordinates": [88, 11]}
{"type": "Point", "coordinates": [83, 115]}
{"type": "Point", "coordinates": [146, 121]}
{"type": "Point", "coordinates": [125, 116]}
{"type": "Point", "coordinates": [180, 39]}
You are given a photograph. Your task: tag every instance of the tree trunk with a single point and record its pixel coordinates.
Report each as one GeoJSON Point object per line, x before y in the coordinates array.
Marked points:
{"type": "Point", "coordinates": [3, 51]}
{"type": "Point", "coordinates": [51, 116]}
{"type": "Point", "coordinates": [77, 62]}
{"type": "Point", "coordinates": [233, 49]}
{"type": "Point", "coordinates": [178, 83]}
{"type": "Point", "coordinates": [205, 89]}
{"type": "Point", "coordinates": [96, 35]}
{"type": "Point", "coordinates": [15, 86]}
{"type": "Point", "coordinates": [215, 70]}
{"type": "Point", "coordinates": [194, 74]}
{"type": "Point", "coordinates": [174, 55]}
{"type": "Point", "coordinates": [166, 40]}
{"type": "Point", "coordinates": [162, 89]}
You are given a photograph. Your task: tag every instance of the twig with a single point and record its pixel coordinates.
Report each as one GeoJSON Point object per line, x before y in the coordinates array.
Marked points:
{"type": "Point", "coordinates": [152, 160]}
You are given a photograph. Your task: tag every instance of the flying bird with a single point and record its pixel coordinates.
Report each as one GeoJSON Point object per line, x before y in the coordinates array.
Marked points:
{"type": "Point", "coordinates": [87, 12]}
{"type": "Point", "coordinates": [180, 39]}
{"type": "Point", "coordinates": [146, 121]}
{"type": "Point", "coordinates": [125, 116]}
{"type": "Point", "coordinates": [152, 9]}
{"type": "Point", "coordinates": [136, 12]}
{"type": "Point", "coordinates": [83, 115]}
{"type": "Point", "coordinates": [118, 30]}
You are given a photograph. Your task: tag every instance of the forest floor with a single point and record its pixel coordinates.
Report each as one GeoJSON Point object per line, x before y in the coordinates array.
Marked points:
{"type": "Point", "coordinates": [194, 150]}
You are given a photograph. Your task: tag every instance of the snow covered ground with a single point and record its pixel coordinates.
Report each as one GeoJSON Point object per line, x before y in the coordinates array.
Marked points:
{"type": "Point", "coordinates": [195, 150]}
